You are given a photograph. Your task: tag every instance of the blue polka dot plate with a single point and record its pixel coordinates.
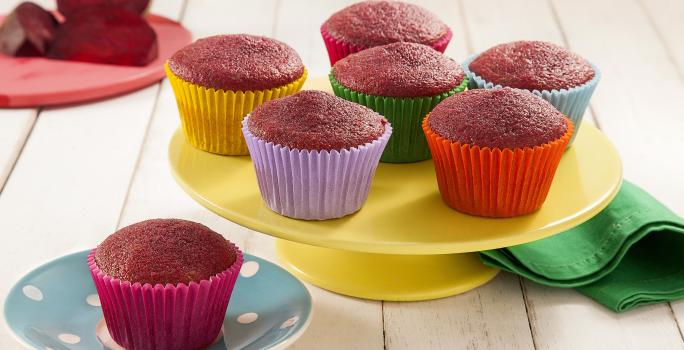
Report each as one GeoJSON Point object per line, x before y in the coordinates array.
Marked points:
{"type": "Point", "coordinates": [56, 307]}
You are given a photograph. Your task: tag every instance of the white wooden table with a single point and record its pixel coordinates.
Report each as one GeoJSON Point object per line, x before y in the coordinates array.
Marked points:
{"type": "Point", "coordinates": [72, 175]}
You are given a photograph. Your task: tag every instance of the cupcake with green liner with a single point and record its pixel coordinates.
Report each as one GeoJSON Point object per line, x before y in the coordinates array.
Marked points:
{"type": "Point", "coordinates": [561, 77]}
{"type": "Point", "coordinates": [220, 79]}
{"type": "Point", "coordinates": [403, 82]}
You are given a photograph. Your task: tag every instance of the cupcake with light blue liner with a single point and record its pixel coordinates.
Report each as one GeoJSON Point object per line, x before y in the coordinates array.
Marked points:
{"type": "Point", "coordinates": [554, 73]}
{"type": "Point", "coordinates": [403, 82]}
{"type": "Point", "coordinates": [315, 154]}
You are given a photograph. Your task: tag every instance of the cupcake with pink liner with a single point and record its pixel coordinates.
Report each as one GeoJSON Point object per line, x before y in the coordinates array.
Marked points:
{"type": "Point", "coordinates": [315, 154]}
{"type": "Point", "coordinates": [165, 284]}
{"type": "Point", "coordinates": [380, 22]}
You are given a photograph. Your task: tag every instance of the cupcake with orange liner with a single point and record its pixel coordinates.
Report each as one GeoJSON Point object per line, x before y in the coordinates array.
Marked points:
{"type": "Point", "coordinates": [220, 79]}
{"type": "Point", "coordinates": [373, 23]}
{"type": "Point", "coordinates": [496, 151]}
{"type": "Point", "coordinates": [165, 284]}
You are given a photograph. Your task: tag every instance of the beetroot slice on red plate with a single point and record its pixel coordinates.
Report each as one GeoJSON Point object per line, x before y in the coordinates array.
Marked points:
{"type": "Point", "coordinates": [69, 7]}
{"type": "Point", "coordinates": [105, 34]}
{"type": "Point", "coordinates": [27, 31]}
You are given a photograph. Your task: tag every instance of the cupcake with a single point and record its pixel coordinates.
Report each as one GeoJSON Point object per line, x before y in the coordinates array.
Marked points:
{"type": "Point", "coordinates": [315, 154]}
{"type": "Point", "coordinates": [374, 23]}
{"type": "Point", "coordinates": [220, 79]}
{"type": "Point", "coordinates": [496, 151]}
{"type": "Point", "coordinates": [165, 284]}
{"type": "Point", "coordinates": [555, 74]}
{"type": "Point", "coordinates": [408, 80]}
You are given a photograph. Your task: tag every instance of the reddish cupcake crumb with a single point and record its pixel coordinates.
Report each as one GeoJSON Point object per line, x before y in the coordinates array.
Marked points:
{"type": "Point", "coordinates": [373, 23]}
{"type": "Point", "coordinates": [399, 70]}
{"type": "Point", "coordinates": [164, 251]}
{"type": "Point", "coordinates": [237, 62]}
{"type": "Point", "coordinates": [532, 65]}
{"type": "Point", "coordinates": [315, 120]}
{"type": "Point", "coordinates": [499, 118]}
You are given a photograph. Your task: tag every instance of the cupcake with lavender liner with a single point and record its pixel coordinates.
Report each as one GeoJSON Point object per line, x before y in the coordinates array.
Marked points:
{"type": "Point", "coordinates": [408, 80]}
{"type": "Point", "coordinates": [165, 284]}
{"type": "Point", "coordinates": [315, 154]}
{"type": "Point", "coordinates": [496, 151]}
{"type": "Point", "coordinates": [549, 71]}
{"type": "Point", "coordinates": [220, 79]}
{"type": "Point", "coordinates": [374, 23]}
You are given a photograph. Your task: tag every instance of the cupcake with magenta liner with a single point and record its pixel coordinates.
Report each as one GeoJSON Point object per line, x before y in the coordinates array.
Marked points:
{"type": "Point", "coordinates": [379, 22]}
{"type": "Point", "coordinates": [220, 79]}
{"type": "Point", "coordinates": [165, 284]}
{"type": "Point", "coordinates": [496, 151]}
{"type": "Point", "coordinates": [554, 73]}
{"type": "Point", "coordinates": [407, 81]}
{"type": "Point", "coordinates": [315, 154]}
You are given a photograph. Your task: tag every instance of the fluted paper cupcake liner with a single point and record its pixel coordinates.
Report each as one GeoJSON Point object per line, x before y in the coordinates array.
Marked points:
{"type": "Point", "coordinates": [211, 118]}
{"type": "Point", "coordinates": [170, 317]}
{"type": "Point", "coordinates": [407, 143]}
{"type": "Point", "coordinates": [571, 102]}
{"type": "Point", "coordinates": [495, 182]}
{"type": "Point", "coordinates": [314, 185]}
{"type": "Point", "coordinates": [338, 49]}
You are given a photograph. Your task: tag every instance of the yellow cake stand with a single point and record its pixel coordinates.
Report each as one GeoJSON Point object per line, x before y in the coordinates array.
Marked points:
{"type": "Point", "coordinates": [405, 243]}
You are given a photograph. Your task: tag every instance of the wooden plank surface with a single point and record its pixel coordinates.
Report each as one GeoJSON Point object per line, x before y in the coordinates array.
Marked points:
{"type": "Point", "coordinates": [67, 189]}
{"type": "Point", "coordinates": [15, 127]}
{"type": "Point", "coordinates": [86, 170]}
{"type": "Point", "coordinates": [563, 319]}
{"type": "Point", "coordinates": [665, 18]}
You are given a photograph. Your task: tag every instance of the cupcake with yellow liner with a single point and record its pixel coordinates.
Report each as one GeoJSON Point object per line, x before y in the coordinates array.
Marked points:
{"type": "Point", "coordinates": [220, 79]}
{"type": "Point", "coordinates": [407, 81]}
{"type": "Point", "coordinates": [496, 151]}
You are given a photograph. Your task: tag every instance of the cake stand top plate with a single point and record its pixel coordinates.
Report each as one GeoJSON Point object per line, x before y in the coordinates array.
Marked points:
{"type": "Point", "coordinates": [404, 213]}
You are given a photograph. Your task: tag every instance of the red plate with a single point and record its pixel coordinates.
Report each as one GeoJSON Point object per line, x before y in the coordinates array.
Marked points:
{"type": "Point", "coordinates": [30, 82]}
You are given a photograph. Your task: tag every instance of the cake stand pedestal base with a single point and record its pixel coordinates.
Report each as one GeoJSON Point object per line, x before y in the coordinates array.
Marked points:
{"type": "Point", "coordinates": [384, 276]}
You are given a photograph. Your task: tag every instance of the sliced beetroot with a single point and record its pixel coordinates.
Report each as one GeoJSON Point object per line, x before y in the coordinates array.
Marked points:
{"type": "Point", "coordinates": [105, 34]}
{"type": "Point", "coordinates": [69, 7]}
{"type": "Point", "coordinates": [27, 31]}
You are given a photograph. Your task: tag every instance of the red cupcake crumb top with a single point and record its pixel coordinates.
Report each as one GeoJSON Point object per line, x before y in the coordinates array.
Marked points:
{"type": "Point", "coordinates": [399, 70]}
{"type": "Point", "coordinates": [532, 65]}
{"type": "Point", "coordinates": [238, 62]}
{"type": "Point", "coordinates": [373, 23]}
{"type": "Point", "coordinates": [500, 118]}
{"type": "Point", "coordinates": [164, 251]}
{"type": "Point", "coordinates": [315, 120]}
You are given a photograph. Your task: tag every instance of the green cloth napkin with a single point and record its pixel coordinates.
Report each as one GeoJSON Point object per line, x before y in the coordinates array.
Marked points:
{"type": "Point", "coordinates": [630, 254]}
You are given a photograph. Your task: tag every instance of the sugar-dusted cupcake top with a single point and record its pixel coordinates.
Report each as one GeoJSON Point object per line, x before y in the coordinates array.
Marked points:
{"type": "Point", "coordinates": [532, 65]}
{"type": "Point", "coordinates": [237, 62]}
{"type": "Point", "coordinates": [315, 120]}
{"type": "Point", "coordinates": [373, 23]}
{"type": "Point", "coordinates": [499, 118]}
{"type": "Point", "coordinates": [399, 70]}
{"type": "Point", "coordinates": [164, 251]}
